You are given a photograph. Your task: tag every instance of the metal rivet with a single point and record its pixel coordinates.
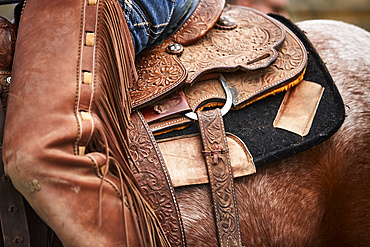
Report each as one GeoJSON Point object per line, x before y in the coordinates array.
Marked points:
{"type": "Point", "coordinates": [158, 109]}
{"type": "Point", "coordinates": [17, 240]}
{"type": "Point", "coordinates": [226, 22]}
{"type": "Point", "coordinates": [12, 208]}
{"type": "Point", "coordinates": [175, 48]}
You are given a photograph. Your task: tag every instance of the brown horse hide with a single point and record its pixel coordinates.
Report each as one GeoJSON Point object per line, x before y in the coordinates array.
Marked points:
{"type": "Point", "coordinates": [320, 197]}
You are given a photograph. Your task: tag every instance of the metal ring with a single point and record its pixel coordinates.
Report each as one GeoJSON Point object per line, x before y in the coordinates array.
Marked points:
{"type": "Point", "coordinates": [229, 100]}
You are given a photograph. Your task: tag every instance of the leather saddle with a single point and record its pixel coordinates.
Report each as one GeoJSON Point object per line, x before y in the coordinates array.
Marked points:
{"type": "Point", "coordinates": [228, 57]}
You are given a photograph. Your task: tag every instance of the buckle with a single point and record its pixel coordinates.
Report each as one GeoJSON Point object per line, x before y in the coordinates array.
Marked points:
{"type": "Point", "coordinates": [229, 100]}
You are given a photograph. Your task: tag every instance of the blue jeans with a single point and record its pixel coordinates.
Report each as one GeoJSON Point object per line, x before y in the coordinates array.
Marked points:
{"type": "Point", "coordinates": [151, 21]}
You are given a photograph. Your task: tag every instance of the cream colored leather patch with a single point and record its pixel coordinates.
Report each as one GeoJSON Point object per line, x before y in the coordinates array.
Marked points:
{"type": "Point", "coordinates": [85, 116]}
{"type": "Point", "coordinates": [81, 150]}
{"type": "Point", "coordinates": [186, 165]}
{"type": "Point", "coordinates": [90, 39]}
{"type": "Point", "coordinates": [87, 78]}
{"type": "Point", "coordinates": [92, 2]}
{"type": "Point", "coordinates": [298, 108]}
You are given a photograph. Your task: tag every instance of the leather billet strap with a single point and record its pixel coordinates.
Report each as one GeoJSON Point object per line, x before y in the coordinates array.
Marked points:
{"type": "Point", "coordinates": [217, 158]}
{"type": "Point", "coordinates": [13, 218]}
{"type": "Point", "coordinates": [153, 177]}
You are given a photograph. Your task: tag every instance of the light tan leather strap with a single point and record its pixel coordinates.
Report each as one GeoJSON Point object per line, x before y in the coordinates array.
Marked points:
{"type": "Point", "coordinates": [153, 177]}
{"type": "Point", "coordinates": [216, 153]}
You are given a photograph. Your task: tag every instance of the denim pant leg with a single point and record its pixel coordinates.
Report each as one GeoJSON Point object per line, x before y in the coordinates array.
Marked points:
{"type": "Point", "coordinates": [147, 19]}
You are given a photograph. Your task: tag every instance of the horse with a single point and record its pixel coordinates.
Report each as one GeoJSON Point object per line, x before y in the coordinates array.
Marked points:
{"type": "Point", "coordinates": [319, 197]}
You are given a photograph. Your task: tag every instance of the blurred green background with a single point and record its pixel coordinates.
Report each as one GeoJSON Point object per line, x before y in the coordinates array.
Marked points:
{"type": "Point", "coordinates": [7, 11]}
{"type": "Point", "coordinates": [356, 12]}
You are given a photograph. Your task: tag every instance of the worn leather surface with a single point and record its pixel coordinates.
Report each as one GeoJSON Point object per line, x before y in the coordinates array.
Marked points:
{"type": "Point", "coordinates": [43, 163]}
{"type": "Point", "coordinates": [152, 175]}
{"type": "Point", "coordinates": [250, 45]}
{"type": "Point", "coordinates": [298, 108]}
{"type": "Point", "coordinates": [216, 154]}
{"type": "Point", "coordinates": [159, 74]}
{"type": "Point", "coordinates": [188, 167]}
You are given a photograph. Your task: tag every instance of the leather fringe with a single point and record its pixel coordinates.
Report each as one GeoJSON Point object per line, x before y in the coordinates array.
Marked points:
{"type": "Point", "coordinates": [114, 74]}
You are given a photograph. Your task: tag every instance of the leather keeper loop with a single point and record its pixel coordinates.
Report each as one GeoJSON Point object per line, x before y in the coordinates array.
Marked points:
{"type": "Point", "coordinates": [87, 58]}
{"type": "Point", "coordinates": [99, 158]}
{"type": "Point", "coordinates": [100, 161]}
{"type": "Point", "coordinates": [85, 97]}
{"type": "Point", "coordinates": [90, 17]}
{"type": "Point", "coordinates": [86, 131]}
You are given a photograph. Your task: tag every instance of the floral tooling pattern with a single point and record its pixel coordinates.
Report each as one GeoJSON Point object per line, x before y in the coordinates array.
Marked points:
{"type": "Point", "coordinates": [153, 178]}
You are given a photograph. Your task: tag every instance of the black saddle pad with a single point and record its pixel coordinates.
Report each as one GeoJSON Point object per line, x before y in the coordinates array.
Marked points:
{"type": "Point", "coordinates": [253, 124]}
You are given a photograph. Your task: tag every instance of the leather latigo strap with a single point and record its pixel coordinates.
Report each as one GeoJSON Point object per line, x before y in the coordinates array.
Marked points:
{"type": "Point", "coordinates": [250, 44]}
{"type": "Point", "coordinates": [153, 177]}
{"type": "Point", "coordinates": [13, 218]}
{"type": "Point", "coordinates": [216, 153]}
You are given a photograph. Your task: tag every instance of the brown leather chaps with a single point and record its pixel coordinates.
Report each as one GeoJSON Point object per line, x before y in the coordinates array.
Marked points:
{"type": "Point", "coordinates": [59, 101]}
